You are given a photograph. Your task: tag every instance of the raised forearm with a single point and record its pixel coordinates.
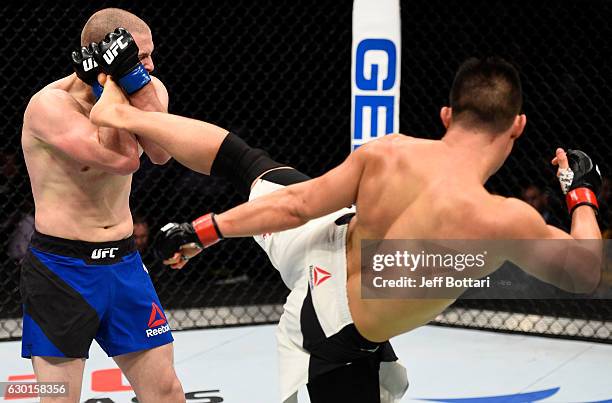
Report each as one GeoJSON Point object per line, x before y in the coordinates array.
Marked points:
{"type": "Point", "coordinates": [191, 142]}
{"type": "Point", "coordinates": [586, 230]}
{"type": "Point", "coordinates": [573, 261]}
{"type": "Point", "coordinates": [584, 224]}
{"type": "Point", "coordinates": [275, 212]}
{"type": "Point", "coordinates": [581, 181]}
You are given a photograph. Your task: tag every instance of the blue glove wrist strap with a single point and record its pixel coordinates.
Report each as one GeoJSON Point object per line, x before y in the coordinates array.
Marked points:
{"type": "Point", "coordinates": [135, 79]}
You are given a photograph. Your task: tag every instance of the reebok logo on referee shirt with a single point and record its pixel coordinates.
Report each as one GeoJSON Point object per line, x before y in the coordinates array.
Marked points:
{"type": "Point", "coordinates": [156, 320]}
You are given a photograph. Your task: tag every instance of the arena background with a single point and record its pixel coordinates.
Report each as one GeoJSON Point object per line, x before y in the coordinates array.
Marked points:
{"type": "Point", "coordinates": [278, 74]}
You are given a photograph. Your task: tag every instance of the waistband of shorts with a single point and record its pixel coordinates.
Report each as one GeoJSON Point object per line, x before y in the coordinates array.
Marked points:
{"type": "Point", "coordinates": [102, 251]}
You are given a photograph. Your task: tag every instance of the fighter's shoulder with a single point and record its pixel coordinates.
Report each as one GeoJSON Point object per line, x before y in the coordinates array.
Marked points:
{"type": "Point", "coordinates": [158, 83]}
{"type": "Point", "coordinates": [371, 155]}
{"type": "Point", "coordinates": [47, 110]}
{"type": "Point", "coordinates": [402, 146]}
{"type": "Point", "coordinates": [516, 218]}
{"type": "Point", "coordinates": [49, 99]}
{"type": "Point", "coordinates": [161, 91]}
{"type": "Point", "coordinates": [383, 146]}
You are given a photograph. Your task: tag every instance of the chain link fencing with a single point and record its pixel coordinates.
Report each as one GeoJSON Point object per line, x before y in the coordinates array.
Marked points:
{"type": "Point", "coordinates": [278, 74]}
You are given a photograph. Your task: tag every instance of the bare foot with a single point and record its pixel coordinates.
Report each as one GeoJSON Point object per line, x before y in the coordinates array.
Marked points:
{"type": "Point", "coordinates": [105, 111]}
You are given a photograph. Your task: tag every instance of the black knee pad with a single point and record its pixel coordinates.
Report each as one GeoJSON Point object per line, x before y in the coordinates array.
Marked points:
{"type": "Point", "coordinates": [240, 163]}
{"type": "Point", "coordinates": [285, 176]}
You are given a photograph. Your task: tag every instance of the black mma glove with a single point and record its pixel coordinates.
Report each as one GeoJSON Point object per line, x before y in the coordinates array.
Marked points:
{"type": "Point", "coordinates": [117, 55]}
{"type": "Point", "coordinates": [581, 182]}
{"type": "Point", "coordinates": [87, 69]}
{"type": "Point", "coordinates": [203, 232]}
{"type": "Point", "coordinates": [171, 237]}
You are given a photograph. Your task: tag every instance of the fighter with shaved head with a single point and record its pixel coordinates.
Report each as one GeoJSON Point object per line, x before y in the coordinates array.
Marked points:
{"type": "Point", "coordinates": [82, 278]}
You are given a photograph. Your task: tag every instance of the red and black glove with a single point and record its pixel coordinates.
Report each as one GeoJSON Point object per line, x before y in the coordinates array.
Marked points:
{"type": "Point", "coordinates": [581, 183]}
{"type": "Point", "coordinates": [202, 232]}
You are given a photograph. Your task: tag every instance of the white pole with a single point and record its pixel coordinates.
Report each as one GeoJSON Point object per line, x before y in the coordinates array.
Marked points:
{"type": "Point", "coordinates": [375, 70]}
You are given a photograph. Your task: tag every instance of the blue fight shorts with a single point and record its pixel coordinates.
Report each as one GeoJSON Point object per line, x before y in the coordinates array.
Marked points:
{"type": "Point", "coordinates": [75, 291]}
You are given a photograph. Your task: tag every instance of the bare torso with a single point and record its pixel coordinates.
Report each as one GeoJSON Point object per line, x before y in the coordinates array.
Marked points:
{"type": "Point", "coordinates": [73, 200]}
{"type": "Point", "coordinates": [419, 198]}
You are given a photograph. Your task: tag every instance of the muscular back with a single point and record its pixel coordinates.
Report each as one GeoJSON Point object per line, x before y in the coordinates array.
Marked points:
{"type": "Point", "coordinates": [80, 174]}
{"type": "Point", "coordinates": [416, 189]}
{"type": "Point", "coordinates": [412, 189]}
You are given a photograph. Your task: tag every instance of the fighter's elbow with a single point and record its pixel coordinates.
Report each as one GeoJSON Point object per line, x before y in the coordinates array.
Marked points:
{"type": "Point", "coordinates": [588, 282]}
{"type": "Point", "coordinates": [580, 279]}
{"type": "Point", "coordinates": [588, 268]}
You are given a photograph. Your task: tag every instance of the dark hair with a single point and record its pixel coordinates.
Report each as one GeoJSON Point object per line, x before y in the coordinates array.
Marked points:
{"type": "Point", "coordinates": [486, 93]}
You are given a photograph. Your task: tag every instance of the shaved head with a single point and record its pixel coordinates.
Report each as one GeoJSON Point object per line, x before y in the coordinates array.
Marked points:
{"type": "Point", "coordinates": [106, 20]}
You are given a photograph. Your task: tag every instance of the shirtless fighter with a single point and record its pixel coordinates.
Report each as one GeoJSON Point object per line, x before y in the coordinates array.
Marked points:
{"type": "Point", "coordinates": [82, 278]}
{"type": "Point", "coordinates": [402, 188]}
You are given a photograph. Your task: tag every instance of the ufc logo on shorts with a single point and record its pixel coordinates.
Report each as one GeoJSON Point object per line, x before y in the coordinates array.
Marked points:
{"type": "Point", "coordinates": [109, 55]}
{"type": "Point", "coordinates": [103, 253]}
{"type": "Point", "coordinates": [89, 64]}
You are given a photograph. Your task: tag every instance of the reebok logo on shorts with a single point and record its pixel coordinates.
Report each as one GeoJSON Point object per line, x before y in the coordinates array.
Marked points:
{"type": "Point", "coordinates": [156, 320]}
{"type": "Point", "coordinates": [157, 316]}
{"type": "Point", "coordinates": [318, 276]}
